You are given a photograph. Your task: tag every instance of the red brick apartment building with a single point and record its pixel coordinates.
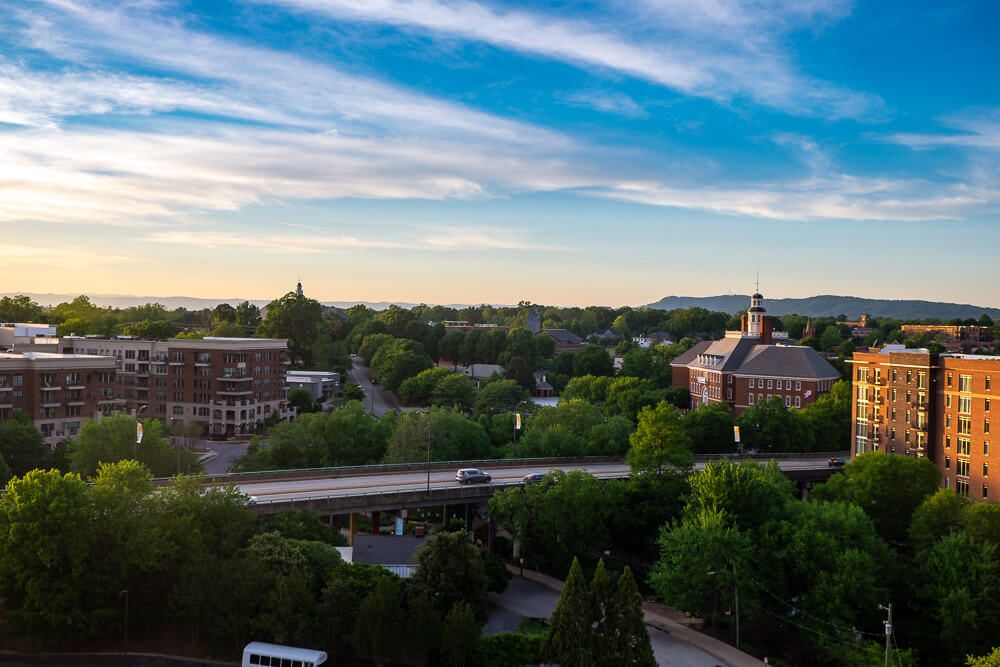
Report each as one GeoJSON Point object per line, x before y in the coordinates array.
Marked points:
{"type": "Point", "coordinates": [57, 391]}
{"type": "Point", "coordinates": [752, 365]}
{"type": "Point", "coordinates": [915, 403]}
{"type": "Point", "coordinates": [229, 385]}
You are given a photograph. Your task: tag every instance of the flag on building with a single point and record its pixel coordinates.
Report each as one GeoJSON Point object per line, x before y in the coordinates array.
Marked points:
{"type": "Point", "coordinates": [808, 393]}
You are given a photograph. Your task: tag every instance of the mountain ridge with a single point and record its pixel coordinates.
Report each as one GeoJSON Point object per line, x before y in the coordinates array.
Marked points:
{"type": "Point", "coordinates": [831, 305]}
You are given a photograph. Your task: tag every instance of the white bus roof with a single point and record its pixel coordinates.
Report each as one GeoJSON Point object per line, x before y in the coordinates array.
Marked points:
{"type": "Point", "coordinates": [289, 652]}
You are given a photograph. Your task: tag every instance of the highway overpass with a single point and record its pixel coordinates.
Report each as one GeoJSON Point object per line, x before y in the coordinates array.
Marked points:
{"type": "Point", "coordinates": [389, 488]}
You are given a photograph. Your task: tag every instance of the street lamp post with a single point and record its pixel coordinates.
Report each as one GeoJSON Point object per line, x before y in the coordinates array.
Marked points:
{"type": "Point", "coordinates": [428, 452]}
{"type": "Point", "coordinates": [736, 600]}
{"type": "Point", "coordinates": [124, 594]}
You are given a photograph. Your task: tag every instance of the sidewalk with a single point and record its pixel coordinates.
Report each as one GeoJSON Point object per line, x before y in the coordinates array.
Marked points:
{"type": "Point", "coordinates": [730, 655]}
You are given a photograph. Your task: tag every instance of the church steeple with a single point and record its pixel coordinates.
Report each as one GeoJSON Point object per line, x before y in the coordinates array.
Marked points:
{"type": "Point", "coordinates": [298, 288]}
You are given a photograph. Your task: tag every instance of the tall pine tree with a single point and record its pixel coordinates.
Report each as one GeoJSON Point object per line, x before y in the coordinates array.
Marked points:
{"type": "Point", "coordinates": [629, 634]}
{"type": "Point", "coordinates": [569, 640]}
{"type": "Point", "coordinates": [602, 608]}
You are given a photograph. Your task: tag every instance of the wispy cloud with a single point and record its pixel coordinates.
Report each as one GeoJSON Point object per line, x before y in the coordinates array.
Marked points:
{"type": "Point", "coordinates": [979, 129]}
{"type": "Point", "coordinates": [435, 238]}
{"type": "Point", "coordinates": [606, 102]}
{"type": "Point", "coordinates": [682, 47]}
{"type": "Point", "coordinates": [16, 254]}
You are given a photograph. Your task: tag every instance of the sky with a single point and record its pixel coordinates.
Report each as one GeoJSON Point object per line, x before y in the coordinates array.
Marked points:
{"type": "Point", "coordinates": [456, 151]}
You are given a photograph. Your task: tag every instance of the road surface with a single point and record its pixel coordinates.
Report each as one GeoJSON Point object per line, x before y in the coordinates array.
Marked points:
{"type": "Point", "coordinates": [528, 599]}
{"type": "Point", "coordinates": [354, 485]}
{"type": "Point", "coordinates": [384, 401]}
{"type": "Point", "coordinates": [226, 454]}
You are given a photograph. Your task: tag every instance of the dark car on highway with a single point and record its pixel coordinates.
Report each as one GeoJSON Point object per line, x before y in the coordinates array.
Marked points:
{"type": "Point", "coordinates": [533, 478]}
{"type": "Point", "coordinates": [473, 476]}
{"type": "Point", "coordinates": [835, 461]}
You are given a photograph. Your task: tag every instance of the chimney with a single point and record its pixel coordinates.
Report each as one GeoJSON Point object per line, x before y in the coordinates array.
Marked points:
{"type": "Point", "coordinates": [765, 330]}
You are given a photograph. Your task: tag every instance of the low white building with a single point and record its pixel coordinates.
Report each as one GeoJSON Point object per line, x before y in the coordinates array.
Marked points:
{"type": "Point", "coordinates": [321, 384]}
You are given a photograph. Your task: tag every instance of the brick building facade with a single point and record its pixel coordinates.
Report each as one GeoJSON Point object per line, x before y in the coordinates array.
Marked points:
{"type": "Point", "coordinates": [753, 365]}
{"type": "Point", "coordinates": [228, 385]}
{"type": "Point", "coordinates": [915, 403]}
{"type": "Point", "coordinates": [58, 392]}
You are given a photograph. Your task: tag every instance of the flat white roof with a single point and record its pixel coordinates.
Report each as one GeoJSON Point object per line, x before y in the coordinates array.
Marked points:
{"type": "Point", "coordinates": [288, 652]}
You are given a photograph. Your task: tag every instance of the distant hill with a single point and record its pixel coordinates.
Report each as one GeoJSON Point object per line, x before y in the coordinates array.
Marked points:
{"type": "Point", "coordinates": [828, 305]}
{"type": "Point", "coordinates": [189, 302]}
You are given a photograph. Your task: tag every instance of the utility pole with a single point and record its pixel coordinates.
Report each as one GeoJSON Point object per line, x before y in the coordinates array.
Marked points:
{"type": "Point", "coordinates": [888, 630]}
{"type": "Point", "coordinates": [428, 452]}
{"type": "Point", "coordinates": [736, 595]}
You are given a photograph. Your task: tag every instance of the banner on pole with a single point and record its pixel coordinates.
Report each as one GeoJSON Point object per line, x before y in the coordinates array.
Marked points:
{"type": "Point", "coordinates": [736, 433]}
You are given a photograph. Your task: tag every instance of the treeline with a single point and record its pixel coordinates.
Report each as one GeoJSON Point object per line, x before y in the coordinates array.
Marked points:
{"type": "Point", "coordinates": [22, 448]}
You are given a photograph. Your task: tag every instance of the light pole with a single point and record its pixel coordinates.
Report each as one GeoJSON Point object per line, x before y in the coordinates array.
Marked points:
{"type": "Point", "coordinates": [736, 600]}
{"type": "Point", "coordinates": [428, 452]}
{"type": "Point", "coordinates": [124, 594]}
{"type": "Point", "coordinates": [373, 394]}
{"type": "Point", "coordinates": [517, 425]}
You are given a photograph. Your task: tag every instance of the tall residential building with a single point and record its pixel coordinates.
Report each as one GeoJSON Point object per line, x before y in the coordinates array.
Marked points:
{"type": "Point", "coordinates": [57, 391]}
{"type": "Point", "coordinates": [229, 385]}
{"type": "Point", "coordinates": [752, 365]}
{"type": "Point", "coordinates": [912, 402]}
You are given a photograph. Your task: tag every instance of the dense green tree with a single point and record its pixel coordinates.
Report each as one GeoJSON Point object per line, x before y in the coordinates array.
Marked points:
{"type": "Point", "coordinates": [747, 494]}
{"type": "Point", "coordinates": [302, 400]}
{"type": "Point", "coordinates": [769, 426]}
{"type": "Point", "coordinates": [630, 641]}
{"type": "Point", "coordinates": [939, 515]}
{"type": "Point", "coordinates": [398, 360]}
{"type": "Point", "coordinates": [459, 636]}
{"type": "Point", "coordinates": [982, 522]}
{"type": "Point", "coordinates": [990, 660]}
{"type": "Point", "coordinates": [570, 514]}
{"type": "Point", "coordinates": [452, 435]}
{"type": "Point", "coordinates": [660, 442]}
{"type": "Point", "coordinates": [247, 315]}
{"type": "Point", "coordinates": [303, 525]}
{"type": "Point", "coordinates": [419, 389]}
{"type": "Point", "coordinates": [295, 318]}
{"type": "Point", "coordinates": [423, 628]}
{"type": "Point", "coordinates": [710, 429]}
{"type": "Point", "coordinates": [46, 537]}
{"type": "Point", "coordinates": [349, 435]}
{"type": "Point", "coordinates": [5, 473]}
{"type": "Point", "coordinates": [150, 329]}
{"type": "Point", "coordinates": [573, 428]}
{"type": "Point", "coordinates": [627, 396]}
{"type": "Point", "coordinates": [225, 329]}
{"type": "Point", "coordinates": [695, 570]}
{"type": "Point", "coordinates": [21, 444]}
{"type": "Point", "coordinates": [569, 641]}
{"type": "Point", "coordinates": [380, 622]}
{"type": "Point", "coordinates": [371, 344]}
{"type": "Point", "coordinates": [19, 308]}
{"type": "Point", "coordinates": [456, 391]}
{"type": "Point", "coordinates": [112, 439]}
{"type": "Point", "coordinates": [829, 419]}
{"type": "Point", "coordinates": [603, 617]}
{"type": "Point", "coordinates": [959, 581]}
{"type": "Point", "coordinates": [888, 488]}
{"type": "Point", "coordinates": [451, 570]}
{"type": "Point", "coordinates": [589, 388]}
{"type": "Point", "coordinates": [499, 396]}
{"type": "Point", "coordinates": [593, 360]}
{"type": "Point", "coordinates": [519, 371]}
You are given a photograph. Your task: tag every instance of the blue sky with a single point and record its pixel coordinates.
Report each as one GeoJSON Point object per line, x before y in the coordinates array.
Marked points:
{"type": "Point", "coordinates": [452, 151]}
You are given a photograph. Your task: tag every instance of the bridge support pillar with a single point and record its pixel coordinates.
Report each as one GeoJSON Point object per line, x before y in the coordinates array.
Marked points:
{"type": "Point", "coordinates": [491, 535]}
{"type": "Point", "coordinates": [804, 489]}
{"type": "Point", "coordinates": [376, 523]}
{"type": "Point", "coordinates": [468, 517]}
{"type": "Point", "coordinates": [353, 529]}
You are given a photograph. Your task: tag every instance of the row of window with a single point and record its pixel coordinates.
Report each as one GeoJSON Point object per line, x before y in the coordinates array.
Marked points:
{"type": "Point", "coordinates": [788, 400]}
{"type": "Point", "coordinates": [775, 384]}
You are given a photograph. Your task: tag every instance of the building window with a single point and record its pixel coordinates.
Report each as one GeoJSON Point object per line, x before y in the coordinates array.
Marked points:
{"type": "Point", "coordinates": [964, 447]}
{"type": "Point", "coordinates": [947, 463]}
{"type": "Point", "coordinates": [965, 383]}
{"type": "Point", "coordinates": [729, 394]}
{"type": "Point", "coordinates": [962, 487]}
{"type": "Point", "coordinates": [947, 401]}
{"type": "Point", "coordinates": [751, 399]}
{"type": "Point", "coordinates": [986, 469]}
{"type": "Point", "coordinates": [798, 385]}
{"type": "Point", "coordinates": [947, 421]}
{"type": "Point", "coordinates": [986, 493]}
{"type": "Point", "coordinates": [962, 467]}
{"type": "Point", "coordinates": [965, 405]}
{"type": "Point", "coordinates": [964, 425]}
{"type": "Point", "coordinates": [770, 384]}
{"type": "Point", "coordinates": [788, 385]}
{"type": "Point", "coordinates": [986, 405]}
{"type": "Point", "coordinates": [729, 379]}
{"type": "Point", "coordinates": [922, 380]}
{"type": "Point", "coordinates": [987, 383]}
{"type": "Point", "coordinates": [986, 426]}
{"type": "Point", "coordinates": [986, 448]}
{"type": "Point", "coordinates": [798, 401]}
{"type": "Point", "coordinates": [178, 410]}
{"type": "Point", "coordinates": [751, 383]}
{"type": "Point", "coordinates": [760, 397]}
{"type": "Point", "coordinates": [948, 382]}
{"type": "Point", "coordinates": [788, 401]}
{"type": "Point", "coordinates": [892, 434]}
{"type": "Point", "coordinates": [947, 442]}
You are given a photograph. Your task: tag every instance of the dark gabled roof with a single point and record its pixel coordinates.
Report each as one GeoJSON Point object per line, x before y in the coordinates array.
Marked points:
{"type": "Point", "coordinates": [563, 335]}
{"type": "Point", "coordinates": [386, 549]}
{"type": "Point", "coordinates": [796, 361]}
{"type": "Point", "coordinates": [728, 352]}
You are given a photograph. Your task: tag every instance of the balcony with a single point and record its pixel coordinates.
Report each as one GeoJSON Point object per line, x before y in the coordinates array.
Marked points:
{"type": "Point", "coordinates": [50, 388]}
{"type": "Point", "coordinates": [235, 378]}
{"type": "Point", "coordinates": [6, 388]}
{"type": "Point", "coordinates": [234, 392]}
{"type": "Point", "coordinates": [50, 403]}
{"type": "Point", "coordinates": [78, 401]}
